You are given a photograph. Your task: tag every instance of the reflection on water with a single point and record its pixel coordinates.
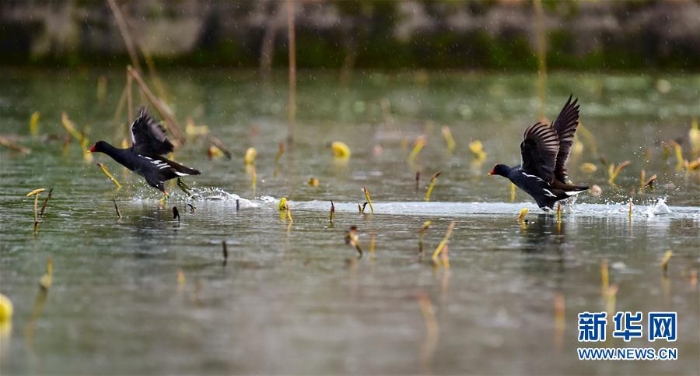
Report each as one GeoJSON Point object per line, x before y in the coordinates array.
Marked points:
{"type": "Point", "coordinates": [148, 294]}
{"type": "Point", "coordinates": [544, 234]}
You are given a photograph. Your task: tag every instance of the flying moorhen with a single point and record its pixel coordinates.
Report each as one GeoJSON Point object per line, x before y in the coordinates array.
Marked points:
{"type": "Point", "coordinates": [144, 157]}
{"type": "Point", "coordinates": [544, 151]}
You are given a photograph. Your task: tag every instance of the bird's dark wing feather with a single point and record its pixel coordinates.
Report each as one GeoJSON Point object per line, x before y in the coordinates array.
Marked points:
{"type": "Point", "coordinates": [539, 151]}
{"type": "Point", "coordinates": [149, 136]}
{"type": "Point", "coordinates": [565, 126]}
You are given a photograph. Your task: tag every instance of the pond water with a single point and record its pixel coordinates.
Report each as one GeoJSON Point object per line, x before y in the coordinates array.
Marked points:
{"type": "Point", "coordinates": [148, 294]}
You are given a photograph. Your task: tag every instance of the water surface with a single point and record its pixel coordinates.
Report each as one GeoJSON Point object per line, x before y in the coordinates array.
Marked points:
{"type": "Point", "coordinates": [293, 298]}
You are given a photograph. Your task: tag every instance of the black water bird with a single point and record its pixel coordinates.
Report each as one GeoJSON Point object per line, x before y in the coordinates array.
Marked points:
{"type": "Point", "coordinates": [144, 157]}
{"type": "Point", "coordinates": [544, 152]}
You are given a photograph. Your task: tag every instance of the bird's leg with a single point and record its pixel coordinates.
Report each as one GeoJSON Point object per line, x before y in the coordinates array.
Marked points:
{"type": "Point", "coordinates": [184, 187]}
{"type": "Point", "coordinates": [165, 197]}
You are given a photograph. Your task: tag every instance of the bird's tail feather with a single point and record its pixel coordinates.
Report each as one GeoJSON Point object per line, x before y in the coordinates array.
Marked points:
{"type": "Point", "coordinates": [184, 170]}
{"type": "Point", "coordinates": [579, 189]}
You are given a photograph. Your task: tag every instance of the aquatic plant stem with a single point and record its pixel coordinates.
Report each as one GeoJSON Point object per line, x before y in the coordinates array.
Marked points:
{"type": "Point", "coordinates": [36, 193]}
{"type": "Point", "coordinates": [433, 179]}
{"type": "Point", "coordinates": [129, 96]}
{"type": "Point", "coordinates": [111, 177]}
{"type": "Point", "coordinates": [124, 31]}
{"type": "Point", "coordinates": [559, 319]}
{"type": "Point", "coordinates": [541, 56]}
{"type": "Point", "coordinates": [442, 244]}
{"type": "Point", "coordinates": [116, 208]}
{"type": "Point", "coordinates": [432, 329]}
{"type": "Point", "coordinates": [6, 142]}
{"type": "Point", "coordinates": [34, 123]}
{"type": "Point", "coordinates": [369, 200]}
{"type": "Point", "coordinates": [332, 215]}
{"type": "Point", "coordinates": [604, 276]}
{"type": "Point", "coordinates": [36, 213]}
{"type": "Point", "coordinates": [292, 105]}
{"type": "Point", "coordinates": [449, 139]}
{"type": "Point", "coordinates": [665, 260]}
{"type": "Point", "coordinates": [46, 201]}
{"type": "Point", "coordinates": [421, 233]}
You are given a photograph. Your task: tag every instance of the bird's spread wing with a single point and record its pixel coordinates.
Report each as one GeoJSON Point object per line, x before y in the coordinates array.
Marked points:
{"type": "Point", "coordinates": [539, 151]}
{"type": "Point", "coordinates": [149, 136]}
{"type": "Point", "coordinates": [565, 126]}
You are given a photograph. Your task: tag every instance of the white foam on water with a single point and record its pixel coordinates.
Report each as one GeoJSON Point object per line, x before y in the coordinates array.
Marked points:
{"type": "Point", "coordinates": [649, 211]}
{"type": "Point", "coordinates": [660, 208]}
{"type": "Point", "coordinates": [466, 209]}
{"type": "Point", "coordinates": [211, 194]}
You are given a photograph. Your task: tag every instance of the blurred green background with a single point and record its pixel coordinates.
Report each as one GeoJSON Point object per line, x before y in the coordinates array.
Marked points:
{"type": "Point", "coordinates": [461, 34]}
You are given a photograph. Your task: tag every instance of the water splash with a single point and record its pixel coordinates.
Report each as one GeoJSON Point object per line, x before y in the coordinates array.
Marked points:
{"type": "Point", "coordinates": [199, 195]}
{"type": "Point", "coordinates": [652, 210]}
{"type": "Point", "coordinates": [468, 209]}
{"type": "Point", "coordinates": [659, 208]}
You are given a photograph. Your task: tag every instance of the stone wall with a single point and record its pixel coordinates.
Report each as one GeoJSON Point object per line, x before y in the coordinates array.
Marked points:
{"type": "Point", "coordinates": [456, 34]}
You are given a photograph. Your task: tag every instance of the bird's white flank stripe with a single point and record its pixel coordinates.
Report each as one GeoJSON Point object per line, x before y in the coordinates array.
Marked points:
{"type": "Point", "coordinates": [549, 193]}
{"type": "Point", "coordinates": [573, 193]}
{"type": "Point", "coordinates": [160, 164]}
{"type": "Point", "coordinates": [533, 176]}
